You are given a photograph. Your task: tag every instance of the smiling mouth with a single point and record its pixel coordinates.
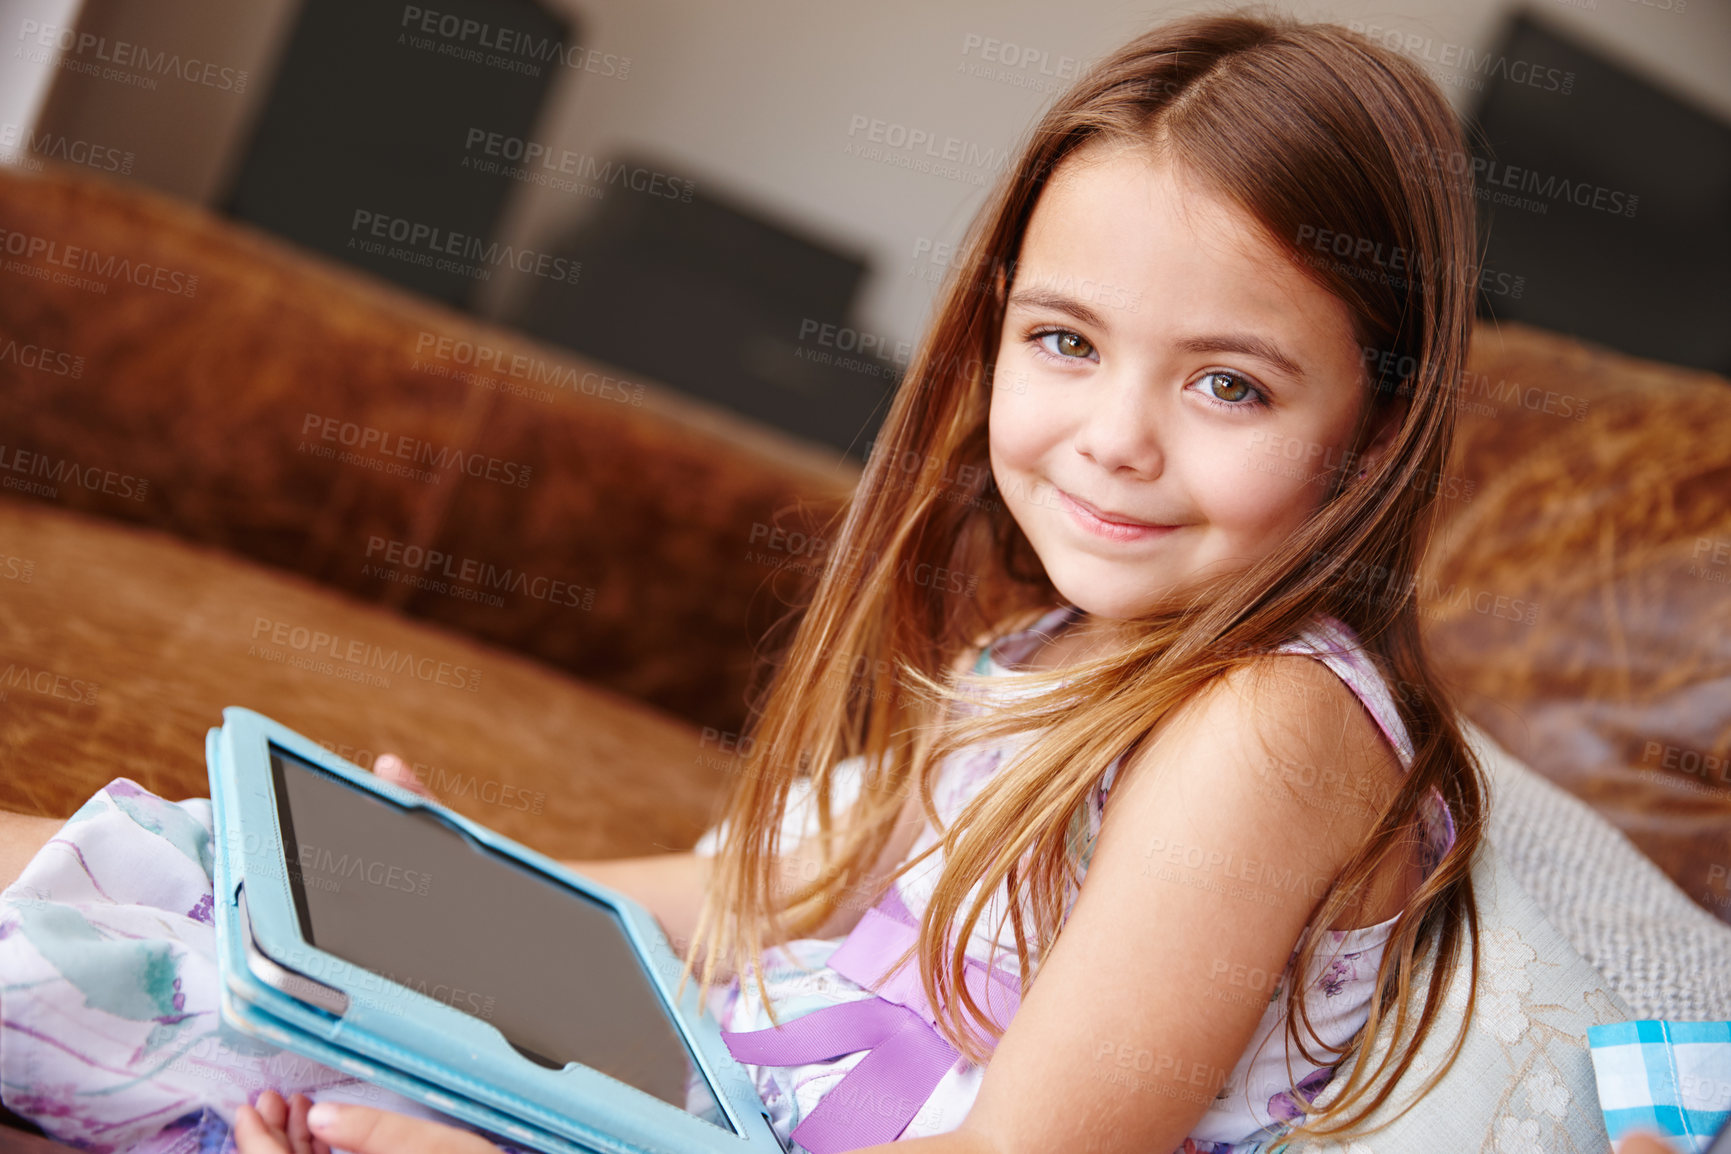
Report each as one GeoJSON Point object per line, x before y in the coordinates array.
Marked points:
{"type": "Point", "coordinates": [1109, 527]}
{"type": "Point", "coordinates": [1114, 519]}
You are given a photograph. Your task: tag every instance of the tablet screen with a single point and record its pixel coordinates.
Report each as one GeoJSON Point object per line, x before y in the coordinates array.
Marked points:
{"type": "Point", "coordinates": [399, 893]}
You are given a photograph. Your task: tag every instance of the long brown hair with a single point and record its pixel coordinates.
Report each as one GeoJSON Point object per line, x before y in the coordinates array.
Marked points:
{"type": "Point", "coordinates": [1318, 135]}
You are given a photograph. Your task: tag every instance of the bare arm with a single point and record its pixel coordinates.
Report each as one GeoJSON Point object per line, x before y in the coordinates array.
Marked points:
{"type": "Point", "coordinates": [1141, 1061]}
{"type": "Point", "coordinates": [671, 885]}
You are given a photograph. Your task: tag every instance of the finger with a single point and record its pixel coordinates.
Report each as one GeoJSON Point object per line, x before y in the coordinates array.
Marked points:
{"type": "Point", "coordinates": [394, 769]}
{"type": "Point", "coordinates": [364, 1130]}
{"type": "Point", "coordinates": [273, 1110]}
{"type": "Point", "coordinates": [300, 1135]}
{"type": "Point", "coordinates": [391, 767]}
{"type": "Point", "coordinates": [253, 1135]}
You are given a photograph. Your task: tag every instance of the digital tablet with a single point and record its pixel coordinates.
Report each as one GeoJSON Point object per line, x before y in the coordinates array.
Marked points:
{"type": "Point", "coordinates": [369, 929]}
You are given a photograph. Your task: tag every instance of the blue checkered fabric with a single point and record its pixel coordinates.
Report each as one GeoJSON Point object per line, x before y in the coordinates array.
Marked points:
{"type": "Point", "coordinates": [1670, 1077]}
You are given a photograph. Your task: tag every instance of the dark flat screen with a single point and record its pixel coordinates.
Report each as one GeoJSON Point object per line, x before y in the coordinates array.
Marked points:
{"type": "Point", "coordinates": [399, 893]}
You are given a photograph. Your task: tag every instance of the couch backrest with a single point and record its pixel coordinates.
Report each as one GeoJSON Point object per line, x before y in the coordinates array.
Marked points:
{"type": "Point", "coordinates": [177, 370]}
{"type": "Point", "coordinates": [1578, 591]}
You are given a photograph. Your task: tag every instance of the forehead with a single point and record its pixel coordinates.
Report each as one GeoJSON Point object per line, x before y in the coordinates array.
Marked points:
{"type": "Point", "coordinates": [1127, 221]}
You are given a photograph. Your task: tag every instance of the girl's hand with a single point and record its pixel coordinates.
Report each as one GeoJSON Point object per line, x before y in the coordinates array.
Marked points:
{"type": "Point", "coordinates": [276, 1127]}
{"type": "Point", "coordinates": [299, 1127]}
{"type": "Point", "coordinates": [395, 770]}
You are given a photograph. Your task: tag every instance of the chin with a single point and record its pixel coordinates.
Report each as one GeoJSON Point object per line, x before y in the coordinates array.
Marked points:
{"type": "Point", "coordinates": [1109, 604]}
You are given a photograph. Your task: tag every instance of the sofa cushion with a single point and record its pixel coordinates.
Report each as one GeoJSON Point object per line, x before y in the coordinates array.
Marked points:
{"type": "Point", "coordinates": [240, 392]}
{"type": "Point", "coordinates": [1664, 955]}
{"type": "Point", "coordinates": [120, 646]}
{"type": "Point", "coordinates": [1524, 1077]}
{"type": "Point", "coordinates": [1577, 594]}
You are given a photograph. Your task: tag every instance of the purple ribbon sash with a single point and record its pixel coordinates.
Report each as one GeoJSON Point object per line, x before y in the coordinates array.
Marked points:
{"type": "Point", "coordinates": [874, 1101]}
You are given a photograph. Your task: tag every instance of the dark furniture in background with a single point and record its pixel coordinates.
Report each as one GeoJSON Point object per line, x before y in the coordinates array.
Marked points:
{"type": "Point", "coordinates": [712, 298]}
{"type": "Point", "coordinates": [372, 114]}
{"type": "Point", "coordinates": [396, 149]}
{"type": "Point", "coordinates": [1611, 198]}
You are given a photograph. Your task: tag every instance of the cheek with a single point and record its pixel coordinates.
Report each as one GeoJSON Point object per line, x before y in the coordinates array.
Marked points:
{"type": "Point", "coordinates": [1010, 434]}
{"type": "Point", "coordinates": [1253, 495]}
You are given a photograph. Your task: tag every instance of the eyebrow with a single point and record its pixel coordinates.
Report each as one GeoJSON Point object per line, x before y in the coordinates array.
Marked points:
{"type": "Point", "coordinates": [1243, 343]}
{"type": "Point", "coordinates": [1039, 298]}
{"type": "Point", "coordinates": [1214, 343]}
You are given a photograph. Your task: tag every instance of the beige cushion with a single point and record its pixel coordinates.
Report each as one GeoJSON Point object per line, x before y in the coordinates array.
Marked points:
{"type": "Point", "coordinates": [1663, 954]}
{"type": "Point", "coordinates": [1524, 1077]}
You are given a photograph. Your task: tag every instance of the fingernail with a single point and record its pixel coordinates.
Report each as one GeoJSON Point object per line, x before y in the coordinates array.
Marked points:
{"type": "Point", "coordinates": [322, 1116]}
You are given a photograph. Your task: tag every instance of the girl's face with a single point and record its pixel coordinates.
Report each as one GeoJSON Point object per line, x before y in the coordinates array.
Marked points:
{"type": "Point", "coordinates": [1172, 396]}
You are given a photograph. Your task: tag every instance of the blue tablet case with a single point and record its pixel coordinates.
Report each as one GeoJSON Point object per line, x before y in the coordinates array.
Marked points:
{"type": "Point", "coordinates": [414, 1044]}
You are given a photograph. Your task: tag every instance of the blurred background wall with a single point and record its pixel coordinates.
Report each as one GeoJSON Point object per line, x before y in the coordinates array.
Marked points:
{"type": "Point", "coordinates": [836, 151]}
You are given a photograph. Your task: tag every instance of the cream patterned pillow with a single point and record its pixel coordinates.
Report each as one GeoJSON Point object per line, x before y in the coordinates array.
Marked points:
{"type": "Point", "coordinates": [1523, 1083]}
{"type": "Point", "coordinates": [1524, 1079]}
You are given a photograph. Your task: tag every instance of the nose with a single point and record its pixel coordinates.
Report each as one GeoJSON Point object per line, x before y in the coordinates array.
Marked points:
{"type": "Point", "coordinates": [1119, 429]}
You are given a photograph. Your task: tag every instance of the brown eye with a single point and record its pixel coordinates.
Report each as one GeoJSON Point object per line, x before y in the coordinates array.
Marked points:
{"type": "Point", "coordinates": [1074, 346]}
{"type": "Point", "coordinates": [1228, 387]}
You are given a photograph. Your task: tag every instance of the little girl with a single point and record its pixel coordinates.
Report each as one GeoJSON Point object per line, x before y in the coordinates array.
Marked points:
{"type": "Point", "coordinates": [1127, 840]}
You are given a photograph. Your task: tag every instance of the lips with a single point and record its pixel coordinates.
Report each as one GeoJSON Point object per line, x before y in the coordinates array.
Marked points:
{"type": "Point", "coordinates": [1109, 517]}
{"type": "Point", "coordinates": [1111, 527]}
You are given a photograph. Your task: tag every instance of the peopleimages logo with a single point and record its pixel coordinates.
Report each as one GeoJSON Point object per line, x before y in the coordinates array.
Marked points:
{"type": "Point", "coordinates": [48, 683]}
{"type": "Point", "coordinates": [484, 43]}
{"type": "Point", "coordinates": [42, 360]}
{"type": "Point", "coordinates": [1364, 259]}
{"type": "Point", "coordinates": [923, 150]}
{"type": "Point", "coordinates": [324, 869]}
{"type": "Point", "coordinates": [1021, 66]}
{"type": "Point", "coordinates": [489, 359]}
{"type": "Point", "coordinates": [1488, 178]}
{"type": "Point", "coordinates": [1464, 65]}
{"type": "Point", "coordinates": [362, 438]}
{"type": "Point", "coordinates": [64, 471]}
{"type": "Point", "coordinates": [89, 47]}
{"type": "Point", "coordinates": [358, 654]}
{"type": "Point", "coordinates": [25, 149]}
{"type": "Point", "coordinates": [61, 255]}
{"type": "Point", "coordinates": [428, 242]}
{"type": "Point", "coordinates": [433, 563]}
{"type": "Point", "coordinates": [533, 162]}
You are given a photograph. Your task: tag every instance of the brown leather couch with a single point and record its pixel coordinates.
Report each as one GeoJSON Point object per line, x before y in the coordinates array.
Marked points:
{"type": "Point", "coordinates": [225, 463]}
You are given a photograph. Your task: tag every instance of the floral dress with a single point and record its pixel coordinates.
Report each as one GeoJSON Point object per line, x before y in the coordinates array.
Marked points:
{"type": "Point", "coordinates": [1252, 1106]}
{"type": "Point", "coordinates": [110, 1035]}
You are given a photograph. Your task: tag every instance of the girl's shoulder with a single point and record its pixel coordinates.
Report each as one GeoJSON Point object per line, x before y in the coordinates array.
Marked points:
{"type": "Point", "coordinates": [1334, 644]}
{"type": "Point", "coordinates": [1310, 681]}
{"type": "Point", "coordinates": [1330, 642]}
{"type": "Point", "coordinates": [1361, 773]}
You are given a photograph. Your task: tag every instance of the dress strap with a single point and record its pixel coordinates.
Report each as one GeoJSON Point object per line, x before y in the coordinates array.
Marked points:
{"type": "Point", "coordinates": [1011, 649]}
{"type": "Point", "coordinates": [875, 1101]}
{"type": "Point", "coordinates": [1336, 646]}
